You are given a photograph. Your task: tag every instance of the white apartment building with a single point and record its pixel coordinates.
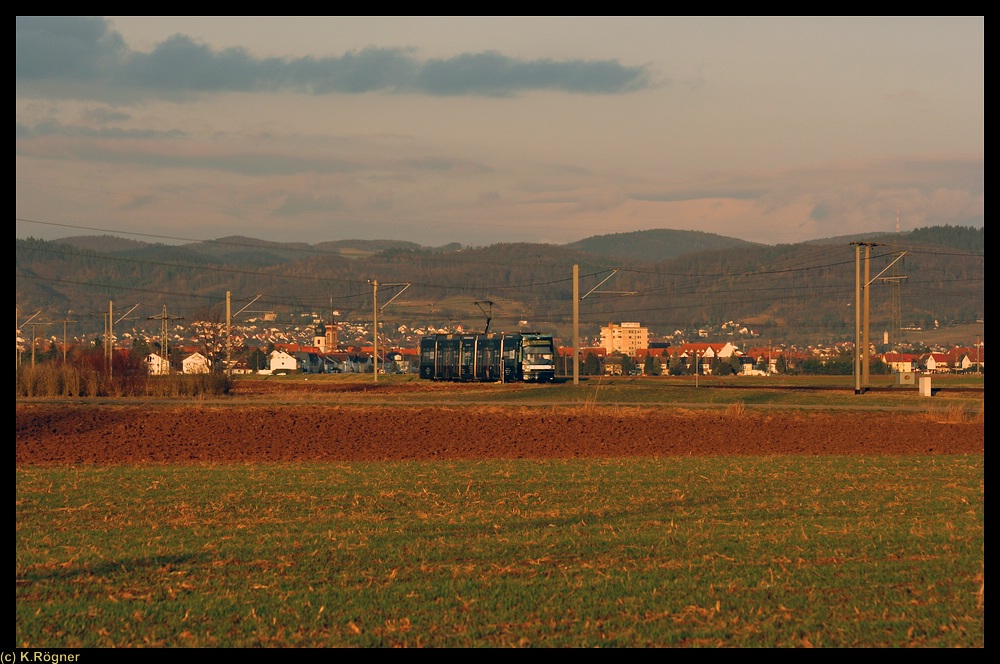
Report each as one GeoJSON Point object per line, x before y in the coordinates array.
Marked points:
{"type": "Point", "coordinates": [625, 338]}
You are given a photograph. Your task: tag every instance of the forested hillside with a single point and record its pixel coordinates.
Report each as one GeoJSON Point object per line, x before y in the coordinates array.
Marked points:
{"type": "Point", "coordinates": [802, 291]}
{"type": "Point", "coordinates": [655, 245]}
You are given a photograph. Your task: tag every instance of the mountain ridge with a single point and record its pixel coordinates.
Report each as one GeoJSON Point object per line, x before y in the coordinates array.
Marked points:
{"type": "Point", "coordinates": [803, 289]}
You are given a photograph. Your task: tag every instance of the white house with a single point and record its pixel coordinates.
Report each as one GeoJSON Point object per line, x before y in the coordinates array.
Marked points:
{"type": "Point", "coordinates": [936, 362]}
{"type": "Point", "coordinates": [706, 353]}
{"type": "Point", "coordinates": [901, 362]}
{"type": "Point", "coordinates": [708, 350]}
{"type": "Point", "coordinates": [960, 361]}
{"type": "Point", "coordinates": [280, 361]}
{"type": "Point", "coordinates": [196, 363]}
{"type": "Point", "coordinates": [157, 365]}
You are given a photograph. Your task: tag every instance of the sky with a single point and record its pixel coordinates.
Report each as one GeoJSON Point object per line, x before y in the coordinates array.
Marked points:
{"type": "Point", "coordinates": [482, 130]}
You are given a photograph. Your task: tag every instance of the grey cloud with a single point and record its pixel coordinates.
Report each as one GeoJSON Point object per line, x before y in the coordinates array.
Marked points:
{"type": "Point", "coordinates": [139, 202]}
{"type": "Point", "coordinates": [968, 173]}
{"type": "Point", "coordinates": [99, 144]}
{"type": "Point", "coordinates": [295, 204]}
{"type": "Point", "coordinates": [821, 212]}
{"type": "Point", "coordinates": [446, 165]}
{"type": "Point", "coordinates": [699, 194]}
{"type": "Point", "coordinates": [239, 161]}
{"type": "Point", "coordinates": [368, 70]}
{"type": "Point", "coordinates": [67, 48]}
{"type": "Point", "coordinates": [56, 128]}
{"type": "Point", "coordinates": [493, 73]}
{"type": "Point", "coordinates": [87, 49]}
{"type": "Point", "coordinates": [488, 198]}
{"type": "Point", "coordinates": [105, 115]}
{"type": "Point", "coordinates": [181, 64]}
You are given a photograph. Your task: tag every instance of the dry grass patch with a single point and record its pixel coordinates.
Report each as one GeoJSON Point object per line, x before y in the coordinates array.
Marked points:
{"type": "Point", "coordinates": [953, 414]}
{"type": "Point", "coordinates": [737, 409]}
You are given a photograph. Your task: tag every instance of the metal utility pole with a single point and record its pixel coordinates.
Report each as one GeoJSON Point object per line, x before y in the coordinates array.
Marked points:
{"type": "Point", "coordinates": [229, 331]}
{"type": "Point", "coordinates": [64, 322]}
{"type": "Point", "coordinates": [375, 309]}
{"type": "Point", "coordinates": [867, 349]}
{"type": "Point", "coordinates": [576, 323]}
{"type": "Point", "coordinates": [576, 313]}
{"type": "Point", "coordinates": [109, 343]}
{"type": "Point", "coordinates": [374, 326]}
{"type": "Point", "coordinates": [229, 327]}
{"type": "Point", "coordinates": [108, 333]}
{"type": "Point", "coordinates": [164, 338]}
{"type": "Point", "coordinates": [18, 326]}
{"type": "Point", "coordinates": [862, 314]}
{"type": "Point", "coordinates": [894, 280]}
{"type": "Point", "coordinates": [34, 328]}
{"type": "Point", "coordinates": [861, 321]}
{"type": "Point", "coordinates": [894, 323]}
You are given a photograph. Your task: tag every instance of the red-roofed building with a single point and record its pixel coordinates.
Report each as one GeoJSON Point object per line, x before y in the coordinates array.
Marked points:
{"type": "Point", "coordinates": [936, 362]}
{"type": "Point", "coordinates": [901, 362]}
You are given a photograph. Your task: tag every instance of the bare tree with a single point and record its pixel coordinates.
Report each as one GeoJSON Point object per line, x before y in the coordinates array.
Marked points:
{"type": "Point", "coordinates": [210, 330]}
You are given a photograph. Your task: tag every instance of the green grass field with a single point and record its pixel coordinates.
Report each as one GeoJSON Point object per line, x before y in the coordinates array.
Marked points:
{"type": "Point", "coordinates": [730, 551]}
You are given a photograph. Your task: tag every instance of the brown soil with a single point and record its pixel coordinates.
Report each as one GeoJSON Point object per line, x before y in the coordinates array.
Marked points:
{"type": "Point", "coordinates": [69, 434]}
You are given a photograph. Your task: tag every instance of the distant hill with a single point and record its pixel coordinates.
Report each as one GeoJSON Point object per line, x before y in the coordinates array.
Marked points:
{"type": "Point", "coordinates": [788, 291]}
{"type": "Point", "coordinates": [242, 250]}
{"type": "Point", "coordinates": [102, 243]}
{"type": "Point", "coordinates": [351, 248]}
{"type": "Point", "coordinates": [957, 237]}
{"type": "Point", "coordinates": [237, 249]}
{"type": "Point", "coordinates": [964, 238]}
{"type": "Point", "coordinates": [655, 245]}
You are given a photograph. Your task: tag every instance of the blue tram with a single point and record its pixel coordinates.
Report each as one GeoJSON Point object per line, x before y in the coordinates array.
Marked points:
{"type": "Point", "coordinates": [496, 357]}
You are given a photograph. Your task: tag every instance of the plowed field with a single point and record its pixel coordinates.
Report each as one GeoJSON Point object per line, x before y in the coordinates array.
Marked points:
{"type": "Point", "coordinates": [68, 434]}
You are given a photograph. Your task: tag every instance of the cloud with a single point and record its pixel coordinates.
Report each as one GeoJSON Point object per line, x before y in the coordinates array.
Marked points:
{"type": "Point", "coordinates": [68, 48]}
{"type": "Point", "coordinates": [820, 212]}
{"type": "Point", "coordinates": [53, 127]}
{"type": "Point", "coordinates": [495, 74]}
{"type": "Point", "coordinates": [234, 153]}
{"type": "Point", "coordinates": [81, 50]}
{"type": "Point", "coordinates": [105, 115]}
{"type": "Point", "coordinates": [172, 149]}
{"type": "Point", "coordinates": [687, 193]}
{"type": "Point", "coordinates": [139, 202]}
{"type": "Point", "coordinates": [297, 204]}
